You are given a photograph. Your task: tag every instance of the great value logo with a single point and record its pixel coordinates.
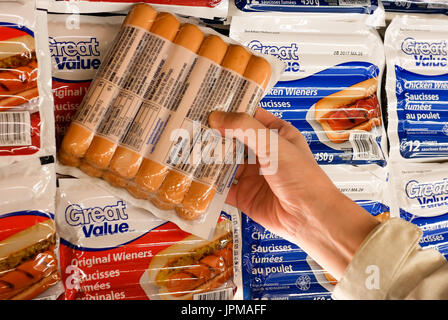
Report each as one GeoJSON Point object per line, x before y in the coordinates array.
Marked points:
{"type": "Point", "coordinates": [98, 221]}
{"type": "Point", "coordinates": [288, 53]}
{"type": "Point", "coordinates": [75, 55]}
{"type": "Point", "coordinates": [426, 53]}
{"type": "Point", "coordinates": [428, 194]}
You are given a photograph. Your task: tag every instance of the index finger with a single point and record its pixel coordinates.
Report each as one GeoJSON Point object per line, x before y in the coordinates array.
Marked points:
{"type": "Point", "coordinates": [264, 116]}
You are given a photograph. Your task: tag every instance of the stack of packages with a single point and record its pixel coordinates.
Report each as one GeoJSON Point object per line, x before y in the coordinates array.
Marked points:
{"type": "Point", "coordinates": [331, 91]}
{"type": "Point", "coordinates": [28, 241]}
{"type": "Point", "coordinates": [115, 203]}
{"type": "Point", "coordinates": [417, 90]}
{"type": "Point", "coordinates": [146, 219]}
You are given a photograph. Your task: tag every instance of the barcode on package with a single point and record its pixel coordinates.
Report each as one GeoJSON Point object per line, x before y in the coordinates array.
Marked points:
{"type": "Point", "coordinates": [354, 3]}
{"type": "Point", "coordinates": [224, 294]}
{"type": "Point", "coordinates": [364, 146]}
{"type": "Point", "coordinates": [15, 129]}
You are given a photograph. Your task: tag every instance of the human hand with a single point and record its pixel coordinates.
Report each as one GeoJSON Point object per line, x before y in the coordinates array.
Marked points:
{"type": "Point", "coordinates": [298, 201]}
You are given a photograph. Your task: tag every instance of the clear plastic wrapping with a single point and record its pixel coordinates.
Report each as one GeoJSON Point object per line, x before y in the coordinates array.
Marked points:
{"type": "Point", "coordinates": [124, 253]}
{"type": "Point", "coordinates": [420, 192]}
{"type": "Point", "coordinates": [78, 43]}
{"type": "Point", "coordinates": [276, 269]}
{"type": "Point", "coordinates": [143, 119]}
{"type": "Point", "coordinates": [26, 120]}
{"type": "Point", "coordinates": [331, 87]}
{"type": "Point", "coordinates": [370, 12]}
{"type": "Point", "coordinates": [209, 9]}
{"type": "Point", "coordinates": [28, 240]}
{"type": "Point", "coordinates": [399, 7]}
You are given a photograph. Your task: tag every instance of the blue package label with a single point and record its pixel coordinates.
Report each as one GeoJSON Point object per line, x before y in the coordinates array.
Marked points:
{"type": "Point", "coordinates": [330, 88]}
{"type": "Point", "coordinates": [295, 101]}
{"type": "Point", "coordinates": [422, 199]}
{"type": "Point", "coordinates": [435, 230]}
{"type": "Point", "coordinates": [276, 269]}
{"type": "Point", "coordinates": [327, 6]}
{"type": "Point", "coordinates": [417, 88]}
{"type": "Point", "coordinates": [422, 110]}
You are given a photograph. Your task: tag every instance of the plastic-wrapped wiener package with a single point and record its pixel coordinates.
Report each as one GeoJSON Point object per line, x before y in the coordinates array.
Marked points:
{"type": "Point", "coordinates": [415, 7]}
{"type": "Point", "coordinates": [417, 88]}
{"type": "Point", "coordinates": [28, 240]}
{"type": "Point", "coordinates": [142, 130]}
{"type": "Point", "coordinates": [111, 250]}
{"type": "Point", "coordinates": [78, 43]}
{"type": "Point", "coordinates": [209, 9]}
{"type": "Point", "coordinates": [370, 11]}
{"type": "Point", "coordinates": [331, 87]}
{"type": "Point", "coordinates": [276, 269]}
{"type": "Point", "coordinates": [421, 193]}
{"type": "Point", "coordinates": [26, 102]}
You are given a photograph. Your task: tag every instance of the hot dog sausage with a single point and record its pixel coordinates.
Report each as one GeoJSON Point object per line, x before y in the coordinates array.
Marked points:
{"type": "Point", "coordinates": [15, 281]}
{"type": "Point", "coordinates": [355, 114]}
{"type": "Point", "coordinates": [190, 38]}
{"type": "Point", "coordinates": [198, 274]}
{"type": "Point", "coordinates": [105, 87]}
{"type": "Point", "coordinates": [19, 79]}
{"type": "Point", "coordinates": [126, 163]}
{"type": "Point", "coordinates": [18, 99]}
{"type": "Point", "coordinates": [102, 148]}
{"type": "Point", "coordinates": [176, 184]}
{"type": "Point", "coordinates": [200, 195]}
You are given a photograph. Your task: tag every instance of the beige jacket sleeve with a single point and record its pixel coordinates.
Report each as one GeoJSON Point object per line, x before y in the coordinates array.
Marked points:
{"type": "Point", "coordinates": [390, 264]}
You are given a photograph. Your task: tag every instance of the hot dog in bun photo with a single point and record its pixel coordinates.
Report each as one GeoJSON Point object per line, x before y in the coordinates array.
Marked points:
{"type": "Point", "coordinates": [194, 265]}
{"type": "Point", "coordinates": [18, 72]}
{"type": "Point", "coordinates": [28, 265]}
{"type": "Point", "coordinates": [354, 108]}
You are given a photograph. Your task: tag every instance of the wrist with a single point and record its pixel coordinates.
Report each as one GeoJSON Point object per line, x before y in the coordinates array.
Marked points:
{"type": "Point", "coordinates": [332, 228]}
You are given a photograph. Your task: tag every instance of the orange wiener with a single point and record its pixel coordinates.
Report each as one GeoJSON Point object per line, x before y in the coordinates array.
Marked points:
{"type": "Point", "coordinates": [196, 276]}
{"type": "Point", "coordinates": [191, 38]}
{"type": "Point", "coordinates": [18, 99]}
{"type": "Point", "coordinates": [193, 265]}
{"type": "Point", "coordinates": [101, 150]}
{"type": "Point", "coordinates": [176, 184]}
{"type": "Point", "coordinates": [78, 137]}
{"type": "Point", "coordinates": [19, 79]}
{"type": "Point", "coordinates": [354, 108]}
{"type": "Point", "coordinates": [126, 163]}
{"type": "Point", "coordinates": [27, 262]}
{"type": "Point", "coordinates": [30, 278]}
{"type": "Point", "coordinates": [200, 195]}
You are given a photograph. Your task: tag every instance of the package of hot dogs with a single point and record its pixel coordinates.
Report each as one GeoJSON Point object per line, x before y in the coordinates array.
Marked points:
{"type": "Point", "coordinates": [276, 269]}
{"type": "Point", "coordinates": [370, 12]}
{"type": "Point", "coordinates": [420, 193]}
{"type": "Point", "coordinates": [78, 43]}
{"type": "Point", "coordinates": [208, 9]}
{"type": "Point", "coordinates": [28, 240]}
{"type": "Point", "coordinates": [26, 101]}
{"type": "Point", "coordinates": [112, 250]}
{"type": "Point", "coordinates": [331, 87]}
{"type": "Point", "coordinates": [142, 130]}
{"type": "Point", "coordinates": [417, 88]}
